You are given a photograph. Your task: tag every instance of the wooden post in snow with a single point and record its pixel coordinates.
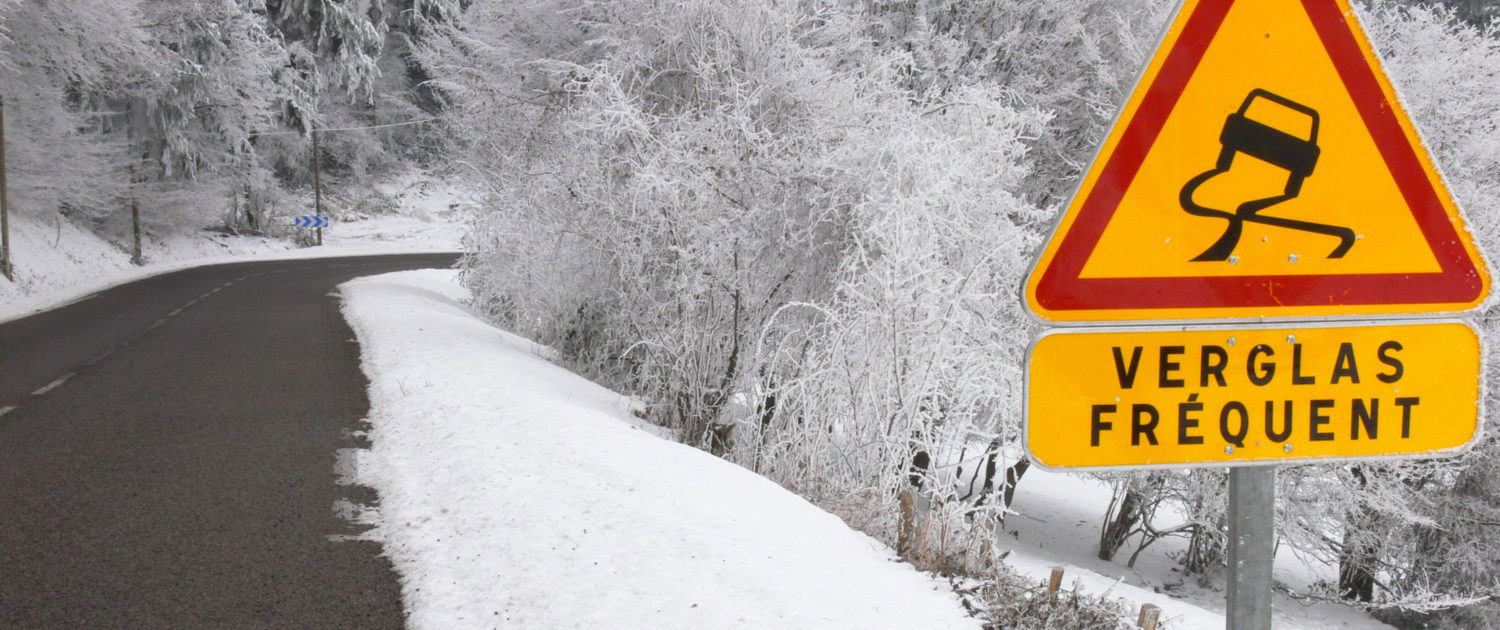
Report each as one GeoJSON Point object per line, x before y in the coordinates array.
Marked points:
{"type": "Point", "coordinates": [906, 530]}
{"type": "Point", "coordinates": [1150, 614]}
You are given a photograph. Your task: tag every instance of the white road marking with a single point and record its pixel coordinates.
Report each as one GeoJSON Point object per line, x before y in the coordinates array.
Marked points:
{"type": "Point", "coordinates": [174, 313]}
{"type": "Point", "coordinates": [6, 410]}
{"type": "Point", "coordinates": [78, 301]}
{"type": "Point", "coordinates": [54, 384]}
{"type": "Point", "coordinates": [158, 324]}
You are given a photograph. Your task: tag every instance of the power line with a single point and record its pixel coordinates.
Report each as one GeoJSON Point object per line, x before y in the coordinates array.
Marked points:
{"type": "Point", "coordinates": [399, 124]}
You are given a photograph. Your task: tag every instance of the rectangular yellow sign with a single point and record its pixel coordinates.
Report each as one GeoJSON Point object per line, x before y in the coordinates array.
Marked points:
{"type": "Point", "coordinates": [1241, 395]}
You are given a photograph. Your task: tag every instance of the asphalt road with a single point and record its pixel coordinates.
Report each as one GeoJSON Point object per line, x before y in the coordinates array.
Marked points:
{"type": "Point", "coordinates": [167, 454]}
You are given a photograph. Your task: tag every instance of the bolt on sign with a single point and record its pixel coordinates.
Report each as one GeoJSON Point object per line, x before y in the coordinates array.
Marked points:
{"type": "Point", "coordinates": [1262, 168]}
{"type": "Point", "coordinates": [1232, 396]}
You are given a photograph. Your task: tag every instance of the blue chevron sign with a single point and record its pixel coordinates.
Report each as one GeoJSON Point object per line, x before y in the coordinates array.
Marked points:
{"type": "Point", "coordinates": [312, 222]}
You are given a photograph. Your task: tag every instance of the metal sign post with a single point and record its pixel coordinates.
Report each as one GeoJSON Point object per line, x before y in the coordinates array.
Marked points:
{"type": "Point", "coordinates": [1252, 535]}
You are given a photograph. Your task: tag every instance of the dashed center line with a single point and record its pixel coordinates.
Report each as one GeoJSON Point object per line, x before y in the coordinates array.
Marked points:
{"type": "Point", "coordinates": [100, 357]}
{"type": "Point", "coordinates": [157, 324]}
{"type": "Point", "coordinates": [6, 410]}
{"type": "Point", "coordinates": [54, 384]}
{"type": "Point", "coordinates": [64, 378]}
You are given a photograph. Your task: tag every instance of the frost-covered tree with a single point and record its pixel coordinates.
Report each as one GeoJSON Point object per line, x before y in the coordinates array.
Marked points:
{"type": "Point", "coordinates": [64, 65]}
{"type": "Point", "coordinates": [1476, 12]}
{"type": "Point", "coordinates": [411, 24]}
{"type": "Point", "coordinates": [195, 128]}
{"type": "Point", "coordinates": [1075, 59]}
{"type": "Point", "coordinates": [164, 104]}
{"type": "Point", "coordinates": [348, 66]}
{"type": "Point", "coordinates": [332, 47]}
{"type": "Point", "coordinates": [216, 91]}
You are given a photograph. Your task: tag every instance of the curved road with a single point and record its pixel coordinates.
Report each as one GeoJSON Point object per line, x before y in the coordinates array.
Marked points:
{"type": "Point", "coordinates": [167, 455]}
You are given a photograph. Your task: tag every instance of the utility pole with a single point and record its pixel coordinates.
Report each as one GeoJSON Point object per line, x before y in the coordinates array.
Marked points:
{"type": "Point", "coordinates": [136, 257]}
{"type": "Point", "coordinates": [317, 186]}
{"type": "Point", "coordinates": [5, 266]}
{"type": "Point", "coordinates": [135, 222]}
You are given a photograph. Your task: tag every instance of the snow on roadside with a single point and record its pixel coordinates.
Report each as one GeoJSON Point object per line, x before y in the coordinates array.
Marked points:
{"type": "Point", "coordinates": [514, 493]}
{"type": "Point", "coordinates": [1057, 522]}
{"type": "Point", "coordinates": [59, 262]}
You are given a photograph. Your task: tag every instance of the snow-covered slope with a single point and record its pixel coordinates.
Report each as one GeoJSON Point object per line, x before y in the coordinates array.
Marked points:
{"type": "Point", "coordinates": [516, 494]}
{"type": "Point", "coordinates": [1057, 521]}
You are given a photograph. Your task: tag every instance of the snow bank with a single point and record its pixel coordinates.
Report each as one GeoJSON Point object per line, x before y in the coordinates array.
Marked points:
{"type": "Point", "coordinates": [1057, 524]}
{"type": "Point", "coordinates": [517, 494]}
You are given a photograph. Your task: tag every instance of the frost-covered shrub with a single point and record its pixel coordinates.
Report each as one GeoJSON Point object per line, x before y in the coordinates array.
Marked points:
{"type": "Point", "coordinates": [1009, 601]}
{"type": "Point", "coordinates": [740, 203]}
{"type": "Point", "coordinates": [753, 216]}
{"type": "Point", "coordinates": [256, 201]}
{"type": "Point", "coordinates": [689, 195]}
{"type": "Point", "coordinates": [917, 347]}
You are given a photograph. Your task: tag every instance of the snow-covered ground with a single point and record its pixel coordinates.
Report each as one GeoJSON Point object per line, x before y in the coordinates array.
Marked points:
{"type": "Point", "coordinates": [516, 494]}
{"type": "Point", "coordinates": [1057, 524]}
{"type": "Point", "coordinates": [57, 261]}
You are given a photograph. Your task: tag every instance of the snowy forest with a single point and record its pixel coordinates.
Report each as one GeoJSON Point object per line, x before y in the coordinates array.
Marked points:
{"type": "Point", "coordinates": [795, 230]}
{"type": "Point", "coordinates": [172, 103]}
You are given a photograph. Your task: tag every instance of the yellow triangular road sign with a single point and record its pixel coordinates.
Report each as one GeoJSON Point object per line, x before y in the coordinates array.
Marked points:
{"type": "Point", "coordinates": [1262, 168]}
